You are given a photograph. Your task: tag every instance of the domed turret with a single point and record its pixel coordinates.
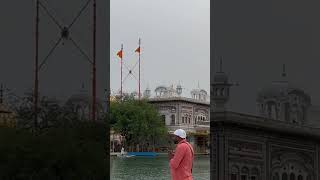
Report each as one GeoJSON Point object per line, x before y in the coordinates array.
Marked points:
{"type": "Point", "coordinates": [147, 93]}
{"type": "Point", "coordinates": [80, 104]}
{"type": "Point", "coordinates": [160, 91]}
{"type": "Point", "coordinates": [179, 90]}
{"type": "Point", "coordinates": [220, 89]}
{"type": "Point", "coordinates": [283, 101]}
{"type": "Point", "coordinates": [199, 94]}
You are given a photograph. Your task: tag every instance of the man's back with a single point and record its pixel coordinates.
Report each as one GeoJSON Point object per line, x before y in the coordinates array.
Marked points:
{"type": "Point", "coordinates": [181, 163]}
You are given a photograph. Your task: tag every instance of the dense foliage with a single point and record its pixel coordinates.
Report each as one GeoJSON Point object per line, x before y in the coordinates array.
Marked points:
{"type": "Point", "coordinates": [62, 148]}
{"type": "Point", "coordinates": [140, 123]}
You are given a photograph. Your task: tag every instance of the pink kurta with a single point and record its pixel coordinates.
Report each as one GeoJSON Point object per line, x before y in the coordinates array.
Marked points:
{"type": "Point", "coordinates": [181, 163]}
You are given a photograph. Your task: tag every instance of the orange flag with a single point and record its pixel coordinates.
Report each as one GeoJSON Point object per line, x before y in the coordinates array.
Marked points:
{"type": "Point", "coordinates": [120, 54]}
{"type": "Point", "coordinates": [137, 50]}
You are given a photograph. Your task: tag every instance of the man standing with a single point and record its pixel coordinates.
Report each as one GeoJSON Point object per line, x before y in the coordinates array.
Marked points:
{"type": "Point", "coordinates": [181, 161]}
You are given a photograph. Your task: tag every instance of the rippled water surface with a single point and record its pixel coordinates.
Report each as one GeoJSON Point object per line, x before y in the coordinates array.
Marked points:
{"type": "Point", "coordinates": [153, 168]}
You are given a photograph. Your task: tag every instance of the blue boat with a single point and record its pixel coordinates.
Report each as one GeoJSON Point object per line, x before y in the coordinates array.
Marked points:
{"type": "Point", "coordinates": [148, 154]}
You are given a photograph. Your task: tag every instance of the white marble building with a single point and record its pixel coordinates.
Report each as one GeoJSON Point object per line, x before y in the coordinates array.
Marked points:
{"type": "Point", "coordinates": [188, 113]}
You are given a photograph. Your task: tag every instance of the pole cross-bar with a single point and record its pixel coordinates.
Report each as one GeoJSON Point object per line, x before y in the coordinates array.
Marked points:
{"type": "Point", "coordinates": [79, 14]}
{"type": "Point", "coordinates": [65, 34]}
{"type": "Point", "coordinates": [50, 15]}
{"type": "Point", "coordinates": [128, 76]}
{"type": "Point", "coordinates": [63, 30]}
{"type": "Point", "coordinates": [50, 52]}
{"type": "Point", "coordinates": [130, 72]}
{"type": "Point", "coordinates": [84, 7]}
{"type": "Point", "coordinates": [82, 52]}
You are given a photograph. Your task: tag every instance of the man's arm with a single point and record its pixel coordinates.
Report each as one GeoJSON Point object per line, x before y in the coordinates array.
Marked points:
{"type": "Point", "coordinates": [178, 156]}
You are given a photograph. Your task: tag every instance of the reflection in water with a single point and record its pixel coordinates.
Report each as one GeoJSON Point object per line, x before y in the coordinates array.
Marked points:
{"type": "Point", "coordinates": [147, 168]}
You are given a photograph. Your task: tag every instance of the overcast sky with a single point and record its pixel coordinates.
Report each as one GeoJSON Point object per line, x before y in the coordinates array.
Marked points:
{"type": "Point", "coordinates": [254, 37]}
{"type": "Point", "coordinates": [257, 37]}
{"type": "Point", "coordinates": [175, 37]}
{"type": "Point", "coordinates": [67, 69]}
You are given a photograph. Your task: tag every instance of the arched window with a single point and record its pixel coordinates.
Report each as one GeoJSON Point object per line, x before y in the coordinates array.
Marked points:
{"type": "Point", "coordinates": [244, 173]}
{"type": "Point", "coordinates": [163, 117]}
{"type": "Point", "coordinates": [254, 174]}
{"type": "Point", "coordinates": [234, 173]}
{"type": "Point", "coordinates": [300, 177]}
{"type": "Point", "coordinates": [309, 177]}
{"type": "Point", "coordinates": [276, 176]}
{"type": "Point", "coordinates": [218, 92]}
{"type": "Point", "coordinates": [292, 176]}
{"type": "Point", "coordinates": [173, 119]}
{"type": "Point", "coordinates": [284, 176]}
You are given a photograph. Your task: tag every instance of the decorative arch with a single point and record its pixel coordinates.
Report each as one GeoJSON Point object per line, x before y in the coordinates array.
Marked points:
{"type": "Point", "coordinates": [218, 92]}
{"type": "Point", "coordinates": [244, 173]}
{"type": "Point", "coordinates": [222, 92]}
{"type": "Point", "coordinates": [291, 160]}
{"type": "Point", "coordinates": [173, 119]}
{"type": "Point", "coordinates": [284, 176]}
{"type": "Point", "coordinates": [234, 173]}
{"type": "Point", "coordinates": [276, 176]}
{"type": "Point", "coordinates": [254, 173]}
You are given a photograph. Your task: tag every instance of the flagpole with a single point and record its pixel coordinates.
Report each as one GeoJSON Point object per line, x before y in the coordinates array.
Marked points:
{"type": "Point", "coordinates": [139, 69]}
{"type": "Point", "coordinates": [121, 70]}
{"type": "Point", "coordinates": [94, 62]}
{"type": "Point", "coordinates": [36, 78]}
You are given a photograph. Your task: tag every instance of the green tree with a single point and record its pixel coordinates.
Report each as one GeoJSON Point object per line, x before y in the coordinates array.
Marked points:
{"type": "Point", "coordinates": [139, 122]}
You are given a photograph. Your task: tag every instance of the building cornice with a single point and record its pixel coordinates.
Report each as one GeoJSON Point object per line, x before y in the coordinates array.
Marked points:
{"type": "Point", "coordinates": [256, 122]}
{"type": "Point", "coordinates": [181, 99]}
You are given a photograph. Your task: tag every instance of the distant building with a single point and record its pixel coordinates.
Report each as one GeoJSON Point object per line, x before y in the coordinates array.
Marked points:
{"type": "Point", "coordinates": [281, 143]}
{"type": "Point", "coordinates": [191, 114]}
{"type": "Point", "coordinates": [81, 104]}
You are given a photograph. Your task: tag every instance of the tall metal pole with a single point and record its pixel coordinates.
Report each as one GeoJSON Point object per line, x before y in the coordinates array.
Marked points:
{"type": "Point", "coordinates": [1, 94]}
{"type": "Point", "coordinates": [121, 70]}
{"type": "Point", "coordinates": [139, 69]}
{"type": "Point", "coordinates": [36, 80]}
{"type": "Point", "coordinates": [94, 62]}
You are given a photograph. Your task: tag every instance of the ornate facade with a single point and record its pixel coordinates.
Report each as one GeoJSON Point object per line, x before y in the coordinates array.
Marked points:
{"type": "Point", "coordinates": [280, 143]}
{"type": "Point", "coordinates": [190, 114]}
